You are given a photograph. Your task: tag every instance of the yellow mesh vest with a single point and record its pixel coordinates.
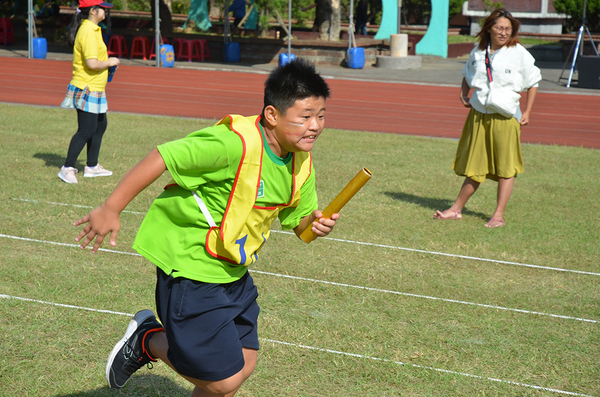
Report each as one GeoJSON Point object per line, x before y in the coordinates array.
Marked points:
{"type": "Point", "coordinates": [245, 226]}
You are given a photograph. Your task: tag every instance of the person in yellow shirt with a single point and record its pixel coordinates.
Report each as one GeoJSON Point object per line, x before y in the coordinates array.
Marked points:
{"type": "Point", "coordinates": [86, 92]}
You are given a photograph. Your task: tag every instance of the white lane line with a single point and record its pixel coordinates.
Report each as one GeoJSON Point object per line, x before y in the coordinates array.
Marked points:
{"type": "Point", "coordinates": [333, 283]}
{"type": "Point", "coordinates": [69, 205]}
{"type": "Point", "coordinates": [380, 246]}
{"type": "Point", "coordinates": [424, 296]}
{"type": "Point", "coordinates": [337, 352]}
{"type": "Point", "coordinates": [558, 269]}
{"type": "Point", "coordinates": [89, 309]}
{"type": "Point", "coordinates": [446, 371]}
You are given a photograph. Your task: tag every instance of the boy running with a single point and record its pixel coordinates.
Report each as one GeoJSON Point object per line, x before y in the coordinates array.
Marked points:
{"type": "Point", "coordinates": [230, 182]}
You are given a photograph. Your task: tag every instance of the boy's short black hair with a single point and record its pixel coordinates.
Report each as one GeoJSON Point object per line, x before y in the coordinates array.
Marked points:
{"type": "Point", "coordinates": [296, 80]}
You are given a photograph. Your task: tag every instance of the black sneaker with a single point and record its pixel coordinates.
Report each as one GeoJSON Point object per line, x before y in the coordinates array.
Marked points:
{"type": "Point", "coordinates": [130, 354]}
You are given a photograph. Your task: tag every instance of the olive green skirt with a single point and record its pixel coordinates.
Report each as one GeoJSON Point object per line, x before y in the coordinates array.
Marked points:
{"type": "Point", "coordinates": [489, 147]}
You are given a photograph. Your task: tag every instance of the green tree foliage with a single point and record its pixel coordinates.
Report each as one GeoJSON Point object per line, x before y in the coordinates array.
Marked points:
{"type": "Point", "coordinates": [574, 9]}
{"type": "Point", "coordinates": [455, 7]}
{"type": "Point", "coordinates": [491, 5]}
{"type": "Point", "coordinates": [418, 12]}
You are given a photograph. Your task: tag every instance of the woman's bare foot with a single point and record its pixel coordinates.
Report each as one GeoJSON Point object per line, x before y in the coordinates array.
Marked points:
{"type": "Point", "coordinates": [447, 214]}
{"type": "Point", "coordinates": [495, 223]}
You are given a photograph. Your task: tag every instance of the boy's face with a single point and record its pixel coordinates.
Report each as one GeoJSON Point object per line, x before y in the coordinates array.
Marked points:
{"type": "Point", "coordinates": [298, 129]}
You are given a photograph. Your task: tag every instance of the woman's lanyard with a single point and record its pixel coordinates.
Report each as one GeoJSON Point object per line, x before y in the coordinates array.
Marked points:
{"type": "Point", "coordinates": [488, 65]}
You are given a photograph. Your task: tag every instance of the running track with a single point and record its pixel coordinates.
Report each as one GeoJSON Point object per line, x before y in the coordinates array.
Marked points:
{"type": "Point", "coordinates": [425, 110]}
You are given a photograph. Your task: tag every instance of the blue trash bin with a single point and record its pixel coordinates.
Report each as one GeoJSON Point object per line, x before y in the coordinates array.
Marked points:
{"type": "Point", "coordinates": [283, 58]}
{"type": "Point", "coordinates": [40, 48]}
{"type": "Point", "coordinates": [356, 58]}
{"type": "Point", "coordinates": [231, 52]}
{"type": "Point", "coordinates": [167, 56]}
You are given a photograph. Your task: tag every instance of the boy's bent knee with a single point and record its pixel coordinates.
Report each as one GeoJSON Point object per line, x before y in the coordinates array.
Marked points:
{"type": "Point", "coordinates": [224, 386]}
{"type": "Point", "coordinates": [234, 382]}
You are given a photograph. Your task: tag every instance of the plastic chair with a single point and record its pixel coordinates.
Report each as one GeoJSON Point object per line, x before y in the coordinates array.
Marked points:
{"type": "Point", "coordinates": [188, 51]}
{"type": "Point", "coordinates": [7, 35]}
{"type": "Point", "coordinates": [117, 46]}
{"type": "Point", "coordinates": [202, 48]}
{"type": "Point", "coordinates": [152, 49]}
{"type": "Point", "coordinates": [140, 47]}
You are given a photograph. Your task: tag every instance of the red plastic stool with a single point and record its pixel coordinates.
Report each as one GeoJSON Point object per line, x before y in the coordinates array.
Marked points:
{"type": "Point", "coordinates": [202, 48]}
{"type": "Point", "coordinates": [117, 46]}
{"type": "Point", "coordinates": [188, 51]}
{"type": "Point", "coordinates": [7, 35]}
{"type": "Point", "coordinates": [177, 45]}
{"type": "Point", "coordinates": [140, 47]}
{"type": "Point", "coordinates": [152, 49]}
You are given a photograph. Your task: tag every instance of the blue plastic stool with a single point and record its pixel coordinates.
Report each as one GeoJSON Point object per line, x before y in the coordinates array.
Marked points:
{"type": "Point", "coordinates": [167, 56]}
{"type": "Point", "coordinates": [231, 52]}
{"type": "Point", "coordinates": [283, 58]}
{"type": "Point", "coordinates": [40, 48]}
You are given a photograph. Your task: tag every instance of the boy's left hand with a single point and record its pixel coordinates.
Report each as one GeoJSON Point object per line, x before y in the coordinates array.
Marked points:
{"type": "Point", "coordinates": [323, 226]}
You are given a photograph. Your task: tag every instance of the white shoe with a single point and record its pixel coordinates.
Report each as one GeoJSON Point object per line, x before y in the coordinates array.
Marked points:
{"type": "Point", "coordinates": [98, 170]}
{"type": "Point", "coordinates": [67, 174]}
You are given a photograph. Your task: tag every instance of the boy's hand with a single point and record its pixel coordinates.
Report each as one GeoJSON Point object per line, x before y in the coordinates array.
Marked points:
{"type": "Point", "coordinates": [100, 222]}
{"type": "Point", "coordinates": [323, 226]}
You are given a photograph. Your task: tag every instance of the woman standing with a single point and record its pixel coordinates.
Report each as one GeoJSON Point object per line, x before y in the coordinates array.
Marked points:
{"type": "Point", "coordinates": [490, 145]}
{"type": "Point", "coordinates": [86, 90]}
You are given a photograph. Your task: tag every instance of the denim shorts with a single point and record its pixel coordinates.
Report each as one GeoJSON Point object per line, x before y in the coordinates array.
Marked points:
{"type": "Point", "coordinates": [207, 325]}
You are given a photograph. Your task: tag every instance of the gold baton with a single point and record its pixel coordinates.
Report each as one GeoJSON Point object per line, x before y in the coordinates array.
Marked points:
{"type": "Point", "coordinates": [342, 198]}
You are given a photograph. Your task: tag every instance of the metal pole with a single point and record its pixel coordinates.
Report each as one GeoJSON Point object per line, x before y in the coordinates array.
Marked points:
{"type": "Point", "coordinates": [579, 40]}
{"type": "Point", "coordinates": [399, 15]}
{"type": "Point", "coordinates": [226, 24]}
{"type": "Point", "coordinates": [583, 23]}
{"type": "Point", "coordinates": [351, 17]}
{"type": "Point", "coordinates": [579, 45]}
{"type": "Point", "coordinates": [30, 28]}
{"type": "Point", "coordinates": [289, 29]}
{"type": "Point", "coordinates": [351, 24]}
{"type": "Point", "coordinates": [157, 33]}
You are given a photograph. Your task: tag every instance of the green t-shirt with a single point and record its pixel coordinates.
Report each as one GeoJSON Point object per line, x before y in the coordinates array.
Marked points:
{"type": "Point", "coordinates": [173, 233]}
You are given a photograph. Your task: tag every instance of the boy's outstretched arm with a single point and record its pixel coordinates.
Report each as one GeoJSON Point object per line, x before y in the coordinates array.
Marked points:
{"type": "Point", "coordinates": [320, 226]}
{"type": "Point", "coordinates": [105, 218]}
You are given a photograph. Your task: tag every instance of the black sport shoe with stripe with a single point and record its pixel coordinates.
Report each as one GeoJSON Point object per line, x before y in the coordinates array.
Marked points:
{"type": "Point", "coordinates": [130, 354]}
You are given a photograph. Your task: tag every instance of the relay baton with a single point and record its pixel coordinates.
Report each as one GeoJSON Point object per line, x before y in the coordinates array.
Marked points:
{"type": "Point", "coordinates": [342, 198]}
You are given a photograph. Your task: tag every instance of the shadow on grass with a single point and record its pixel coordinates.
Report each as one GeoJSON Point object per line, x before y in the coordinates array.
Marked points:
{"type": "Point", "coordinates": [431, 203]}
{"type": "Point", "coordinates": [142, 385]}
{"type": "Point", "coordinates": [55, 161]}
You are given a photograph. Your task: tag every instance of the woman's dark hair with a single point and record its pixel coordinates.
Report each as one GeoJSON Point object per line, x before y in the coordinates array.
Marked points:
{"type": "Point", "coordinates": [80, 14]}
{"type": "Point", "coordinates": [484, 34]}
{"type": "Point", "coordinates": [296, 80]}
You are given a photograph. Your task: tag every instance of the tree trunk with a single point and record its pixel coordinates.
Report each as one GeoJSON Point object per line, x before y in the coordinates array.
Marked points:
{"type": "Point", "coordinates": [329, 18]}
{"type": "Point", "coordinates": [264, 28]}
{"type": "Point", "coordinates": [166, 20]}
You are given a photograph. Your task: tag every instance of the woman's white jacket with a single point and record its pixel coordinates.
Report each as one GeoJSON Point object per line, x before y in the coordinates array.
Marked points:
{"type": "Point", "coordinates": [512, 67]}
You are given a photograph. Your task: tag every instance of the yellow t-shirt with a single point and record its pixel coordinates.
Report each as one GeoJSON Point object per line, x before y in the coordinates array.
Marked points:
{"type": "Point", "coordinates": [89, 45]}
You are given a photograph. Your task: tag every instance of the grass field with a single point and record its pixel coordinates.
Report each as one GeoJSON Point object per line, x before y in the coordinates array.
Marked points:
{"type": "Point", "coordinates": [393, 304]}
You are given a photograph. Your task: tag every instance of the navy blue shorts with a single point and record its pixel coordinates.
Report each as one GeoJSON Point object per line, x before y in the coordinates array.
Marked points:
{"type": "Point", "coordinates": [207, 324]}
